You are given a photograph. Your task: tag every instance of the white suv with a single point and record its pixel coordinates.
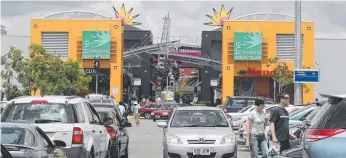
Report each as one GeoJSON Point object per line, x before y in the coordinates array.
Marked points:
{"type": "Point", "coordinates": [71, 119]}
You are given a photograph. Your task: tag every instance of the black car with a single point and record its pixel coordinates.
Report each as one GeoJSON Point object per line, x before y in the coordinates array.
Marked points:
{"type": "Point", "coordinates": [28, 141]}
{"type": "Point", "coordinates": [121, 124]}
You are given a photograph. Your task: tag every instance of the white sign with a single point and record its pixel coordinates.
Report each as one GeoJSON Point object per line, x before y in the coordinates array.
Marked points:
{"type": "Point", "coordinates": [137, 82]}
{"type": "Point", "coordinates": [213, 83]}
{"type": "Point", "coordinates": [115, 90]}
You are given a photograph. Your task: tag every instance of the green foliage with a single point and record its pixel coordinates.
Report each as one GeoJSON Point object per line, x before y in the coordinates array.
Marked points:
{"type": "Point", "coordinates": [282, 75]}
{"type": "Point", "coordinates": [43, 71]}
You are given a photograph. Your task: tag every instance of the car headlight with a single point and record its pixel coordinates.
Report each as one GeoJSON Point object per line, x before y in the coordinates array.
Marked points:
{"type": "Point", "coordinates": [237, 119]}
{"type": "Point", "coordinates": [172, 139]}
{"type": "Point", "coordinates": [228, 139]}
{"type": "Point", "coordinates": [152, 113]}
{"type": "Point", "coordinates": [165, 113]}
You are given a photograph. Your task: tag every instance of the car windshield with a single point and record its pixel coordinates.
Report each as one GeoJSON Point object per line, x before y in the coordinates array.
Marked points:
{"type": "Point", "coordinates": [39, 113]}
{"type": "Point", "coordinates": [245, 109]}
{"type": "Point", "coordinates": [199, 118]}
{"type": "Point", "coordinates": [17, 136]}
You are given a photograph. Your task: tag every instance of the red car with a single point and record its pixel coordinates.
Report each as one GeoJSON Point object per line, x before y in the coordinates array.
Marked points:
{"type": "Point", "coordinates": [145, 111]}
{"type": "Point", "coordinates": [165, 111]}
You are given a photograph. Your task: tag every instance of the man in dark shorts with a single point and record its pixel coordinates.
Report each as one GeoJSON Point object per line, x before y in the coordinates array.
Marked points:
{"type": "Point", "coordinates": [279, 123]}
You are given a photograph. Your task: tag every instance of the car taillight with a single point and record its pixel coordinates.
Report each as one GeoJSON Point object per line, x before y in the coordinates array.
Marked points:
{"type": "Point", "coordinates": [319, 134]}
{"type": "Point", "coordinates": [225, 110]}
{"type": "Point", "coordinates": [111, 132]}
{"type": "Point", "coordinates": [77, 136]}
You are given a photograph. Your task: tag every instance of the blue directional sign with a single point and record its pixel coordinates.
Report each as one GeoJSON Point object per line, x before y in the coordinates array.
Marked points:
{"type": "Point", "coordinates": [306, 76]}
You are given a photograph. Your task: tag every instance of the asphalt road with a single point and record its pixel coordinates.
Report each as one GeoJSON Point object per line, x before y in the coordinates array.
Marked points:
{"type": "Point", "coordinates": [146, 141]}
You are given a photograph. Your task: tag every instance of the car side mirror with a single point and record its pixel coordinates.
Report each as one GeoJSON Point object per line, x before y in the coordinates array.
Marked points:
{"type": "Point", "coordinates": [108, 121]}
{"type": "Point", "coordinates": [59, 143]}
{"type": "Point", "coordinates": [162, 124]}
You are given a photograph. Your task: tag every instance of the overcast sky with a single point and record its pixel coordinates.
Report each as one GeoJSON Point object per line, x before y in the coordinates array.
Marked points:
{"type": "Point", "coordinates": [187, 17]}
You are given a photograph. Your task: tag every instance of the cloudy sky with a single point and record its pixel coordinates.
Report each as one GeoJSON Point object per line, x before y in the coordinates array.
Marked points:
{"type": "Point", "coordinates": [187, 17]}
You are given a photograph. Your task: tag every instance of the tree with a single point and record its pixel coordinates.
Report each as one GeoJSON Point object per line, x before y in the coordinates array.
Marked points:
{"type": "Point", "coordinates": [11, 62]}
{"type": "Point", "coordinates": [282, 75]}
{"type": "Point", "coordinates": [46, 72]}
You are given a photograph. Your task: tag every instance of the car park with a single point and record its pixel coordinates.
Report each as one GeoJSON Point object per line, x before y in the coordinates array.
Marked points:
{"type": "Point", "coordinates": [188, 134]}
{"type": "Point", "coordinates": [120, 125]}
{"type": "Point", "coordinates": [71, 119]}
{"type": "Point", "coordinates": [325, 135]}
{"type": "Point", "coordinates": [28, 140]}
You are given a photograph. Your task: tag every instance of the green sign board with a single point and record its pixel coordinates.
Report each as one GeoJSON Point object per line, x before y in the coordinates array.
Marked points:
{"type": "Point", "coordinates": [247, 46]}
{"type": "Point", "coordinates": [96, 44]}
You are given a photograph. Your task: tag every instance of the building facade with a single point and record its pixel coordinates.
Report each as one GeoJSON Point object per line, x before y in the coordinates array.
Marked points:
{"type": "Point", "coordinates": [245, 71]}
{"type": "Point", "coordinates": [64, 37]}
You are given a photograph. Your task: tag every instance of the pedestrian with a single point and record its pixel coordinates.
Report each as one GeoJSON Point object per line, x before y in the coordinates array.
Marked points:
{"type": "Point", "coordinates": [279, 123]}
{"type": "Point", "coordinates": [122, 108]}
{"type": "Point", "coordinates": [136, 114]}
{"type": "Point", "coordinates": [133, 106]}
{"type": "Point", "coordinates": [255, 132]}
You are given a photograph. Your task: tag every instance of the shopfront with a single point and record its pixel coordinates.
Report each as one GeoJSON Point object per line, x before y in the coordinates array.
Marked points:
{"type": "Point", "coordinates": [84, 40]}
{"type": "Point", "coordinates": [247, 47]}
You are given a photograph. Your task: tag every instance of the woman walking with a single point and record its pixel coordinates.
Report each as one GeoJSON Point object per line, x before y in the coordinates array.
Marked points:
{"type": "Point", "coordinates": [255, 133]}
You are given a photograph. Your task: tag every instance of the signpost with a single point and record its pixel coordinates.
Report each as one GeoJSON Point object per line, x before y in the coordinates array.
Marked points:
{"type": "Point", "coordinates": [248, 46]}
{"type": "Point", "coordinates": [306, 76]}
{"type": "Point", "coordinates": [96, 44]}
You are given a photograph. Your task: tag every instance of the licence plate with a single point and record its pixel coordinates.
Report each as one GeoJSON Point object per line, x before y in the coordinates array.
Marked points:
{"type": "Point", "coordinates": [201, 151]}
{"type": "Point", "coordinates": [157, 116]}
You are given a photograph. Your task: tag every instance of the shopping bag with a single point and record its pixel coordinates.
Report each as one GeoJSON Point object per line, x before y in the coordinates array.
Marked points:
{"type": "Point", "coordinates": [274, 150]}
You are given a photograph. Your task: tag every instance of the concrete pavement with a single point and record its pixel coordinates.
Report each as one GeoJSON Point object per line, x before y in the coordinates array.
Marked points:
{"type": "Point", "coordinates": [146, 141]}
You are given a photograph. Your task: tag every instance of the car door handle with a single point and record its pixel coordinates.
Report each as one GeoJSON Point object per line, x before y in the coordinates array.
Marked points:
{"type": "Point", "coordinates": [100, 131]}
{"type": "Point", "coordinates": [93, 131]}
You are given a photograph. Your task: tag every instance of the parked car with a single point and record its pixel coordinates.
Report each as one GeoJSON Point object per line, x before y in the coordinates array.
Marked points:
{"type": "Point", "coordinates": [119, 124]}
{"type": "Point", "coordinates": [28, 141]}
{"type": "Point", "coordinates": [188, 133]}
{"type": "Point", "coordinates": [111, 105]}
{"type": "Point", "coordinates": [164, 112]}
{"type": "Point", "coordinates": [325, 135]}
{"type": "Point", "coordinates": [242, 116]}
{"type": "Point", "coordinates": [295, 152]}
{"type": "Point", "coordinates": [70, 119]}
{"type": "Point", "coordinates": [236, 103]}
{"type": "Point", "coordinates": [100, 98]}
{"type": "Point", "coordinates": [3, 105]}
{"type": "Point", "coordinates": [145, 111]}
{"type": "Point", "coordinates": [107, 116]}
{"type": "Point", "coordinates": [5, 153]}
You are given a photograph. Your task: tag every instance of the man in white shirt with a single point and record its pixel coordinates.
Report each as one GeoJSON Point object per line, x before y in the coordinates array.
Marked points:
{"type": "Point", "coordinates": [121, 108]}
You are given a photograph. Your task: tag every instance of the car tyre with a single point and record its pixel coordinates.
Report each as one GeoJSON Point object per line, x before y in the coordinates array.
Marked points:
{"type": "Point", "coordinates": [147, 115]}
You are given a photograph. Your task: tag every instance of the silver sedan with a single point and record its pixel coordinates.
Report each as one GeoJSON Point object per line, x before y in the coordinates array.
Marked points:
{"type": "Point", "coordinates": [196, 131]}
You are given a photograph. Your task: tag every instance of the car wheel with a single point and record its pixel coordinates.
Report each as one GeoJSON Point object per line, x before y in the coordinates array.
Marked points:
{"type": "Point", "coordinates": [147, 115]}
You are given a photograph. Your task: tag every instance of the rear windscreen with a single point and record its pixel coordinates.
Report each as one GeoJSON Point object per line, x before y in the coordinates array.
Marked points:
{"type": "Point", "coordinates": [331, 115]}
{"type": "Point", "coordinates": [37, 112]}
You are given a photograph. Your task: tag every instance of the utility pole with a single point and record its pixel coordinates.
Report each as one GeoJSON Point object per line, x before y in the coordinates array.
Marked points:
{"type": "Point", "coordinates": [164, 39]}
{"type": "Point", "coordinates": [298, 50]}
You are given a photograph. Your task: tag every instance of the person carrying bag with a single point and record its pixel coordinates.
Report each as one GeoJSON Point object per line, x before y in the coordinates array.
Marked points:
{"type": "Point", "coordinates": [255, 133]}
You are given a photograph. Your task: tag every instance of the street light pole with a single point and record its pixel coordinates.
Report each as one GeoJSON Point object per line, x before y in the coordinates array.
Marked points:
{"type": "Point", "coordinates": [298, 51]}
